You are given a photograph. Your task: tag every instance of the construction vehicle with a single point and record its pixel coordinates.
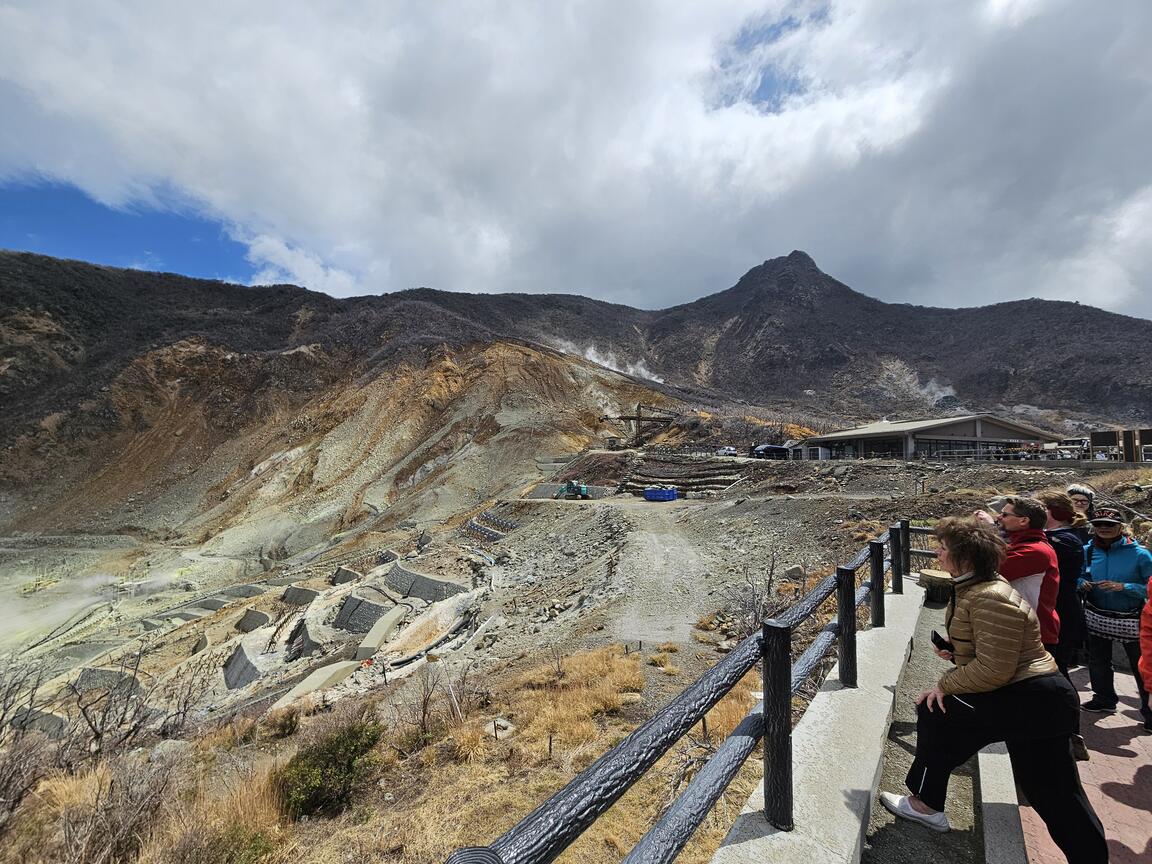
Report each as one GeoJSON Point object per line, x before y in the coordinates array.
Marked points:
{"type": "Point", "coordinates": [573, 489]}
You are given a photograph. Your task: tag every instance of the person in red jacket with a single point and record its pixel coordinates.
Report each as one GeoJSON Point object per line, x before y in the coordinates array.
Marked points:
{"type": "Point", "coordinates": [1031, 565]}
{"type": "Point", "coordinates": [1146, 641]}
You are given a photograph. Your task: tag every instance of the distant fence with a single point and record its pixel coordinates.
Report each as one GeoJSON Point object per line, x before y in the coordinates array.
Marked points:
{"type": "Point", "coordinates": [549, 829]}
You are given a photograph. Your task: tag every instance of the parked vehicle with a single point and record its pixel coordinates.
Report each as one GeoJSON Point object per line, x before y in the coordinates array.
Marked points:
{"type": "Point", "coordinates": [769, 451]}
{"type": "Point", "coordinates": [727, 451]}
{"type": "Point", "coordinates": [573, 489]}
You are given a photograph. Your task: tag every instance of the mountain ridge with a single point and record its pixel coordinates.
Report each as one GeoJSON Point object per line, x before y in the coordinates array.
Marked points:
{"type": "Point", "coordinates": [784, 329]}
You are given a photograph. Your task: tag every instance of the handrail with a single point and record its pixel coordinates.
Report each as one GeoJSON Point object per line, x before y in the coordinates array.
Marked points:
{"type": "Point", "coordinates": [549, 829]}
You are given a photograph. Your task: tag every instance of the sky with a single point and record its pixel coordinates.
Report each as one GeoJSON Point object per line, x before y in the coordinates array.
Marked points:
{"type": "Point", "coordinates": [953, 152]}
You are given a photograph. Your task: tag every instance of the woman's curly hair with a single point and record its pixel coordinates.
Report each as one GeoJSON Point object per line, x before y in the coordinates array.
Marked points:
{"type": "Point", "coordinates": [973, 543]}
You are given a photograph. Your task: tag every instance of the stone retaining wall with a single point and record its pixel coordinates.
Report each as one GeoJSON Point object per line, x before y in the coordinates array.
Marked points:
{"type": "Point", "coordinates": [357, 615]}
{"type": "Point", "coordinates": [412, 584]}
{"type": "Point", "coordinates": [344, 575]}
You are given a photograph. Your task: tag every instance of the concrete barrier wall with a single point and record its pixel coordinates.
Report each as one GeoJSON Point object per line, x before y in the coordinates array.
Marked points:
{"type": "Point", "coordinates": [239, 670]}
{"type": "Point", "coordinates": [412, 584]}
{"type": "Point", "coordinates": [213, 603]}
{"type": "Point", "coordinates": [252, 619]}
{"type": "Point", "coordinates": [201, 644]}
{"type": "Point", "coordinates": [381, 631]}
{"type": "Point", "coordinates": [298, 596]}
{"type": "Point", "coordinates": [322, 678]}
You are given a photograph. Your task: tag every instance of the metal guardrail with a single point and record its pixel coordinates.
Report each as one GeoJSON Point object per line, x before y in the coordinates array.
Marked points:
{"type": "Point", "coordinates": [549, 829]}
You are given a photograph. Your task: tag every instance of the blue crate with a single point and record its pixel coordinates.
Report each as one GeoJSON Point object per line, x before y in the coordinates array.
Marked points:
{"type": "Point", "coordinates": [659, 494]}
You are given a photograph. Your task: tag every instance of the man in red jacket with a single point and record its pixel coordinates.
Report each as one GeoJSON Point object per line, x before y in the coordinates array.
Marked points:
{"type": "Point", "coordinates": [1031, 565]}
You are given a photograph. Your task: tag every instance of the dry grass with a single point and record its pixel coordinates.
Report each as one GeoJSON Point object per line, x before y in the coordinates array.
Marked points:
{"type": "Point", "coordinates": [659, 659]}
{"type": "Point", "coordinates": [668, 647]}
{"type": "Point", "coordinates": [470, 788]}
{"type": "Point", "coordinates": [239, 824]}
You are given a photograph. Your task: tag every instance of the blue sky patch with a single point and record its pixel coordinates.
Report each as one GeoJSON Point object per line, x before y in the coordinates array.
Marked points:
{"type": "Point", "coordinates": [59, 220]}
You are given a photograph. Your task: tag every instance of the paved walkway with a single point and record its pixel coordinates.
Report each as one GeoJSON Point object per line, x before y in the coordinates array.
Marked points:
{"type": "Point", "coordinates": [889, 841]}
{"type": "Point", "coordinates": [1118, 779]}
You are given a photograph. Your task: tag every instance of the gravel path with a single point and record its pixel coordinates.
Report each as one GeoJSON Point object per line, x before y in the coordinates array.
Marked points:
{"type": "Point", "coordinates": [659, 572]}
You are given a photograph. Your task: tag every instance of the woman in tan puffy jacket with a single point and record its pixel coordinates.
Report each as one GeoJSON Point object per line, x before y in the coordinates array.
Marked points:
{"type": "Point", "coordinates": [1003, 687]}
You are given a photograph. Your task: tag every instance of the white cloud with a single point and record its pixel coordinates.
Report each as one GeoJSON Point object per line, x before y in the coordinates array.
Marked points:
{"type": "Point", "coordinates": [945, 153]}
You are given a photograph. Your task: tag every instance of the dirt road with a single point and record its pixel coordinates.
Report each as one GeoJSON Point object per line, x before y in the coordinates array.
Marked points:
{"type": "Point", "coordinates": [659, 571]}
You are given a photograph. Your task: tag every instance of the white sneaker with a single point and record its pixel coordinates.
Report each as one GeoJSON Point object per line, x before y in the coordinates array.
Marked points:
{"type": "Point", "coordinates": [899, 805]}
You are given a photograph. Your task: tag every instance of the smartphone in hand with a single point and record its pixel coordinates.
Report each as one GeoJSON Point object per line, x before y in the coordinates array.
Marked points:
{"type": "Point", "coordinates": [941, 643]}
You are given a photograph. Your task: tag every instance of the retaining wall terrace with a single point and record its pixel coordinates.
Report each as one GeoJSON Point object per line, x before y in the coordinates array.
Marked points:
{"type": "Point", "coordinates": [92, 678]}
{"type": "Point", "coordinates": [300, 643]}
{"type": "Point", "coordinates": [298, 596]}
{"type": "Point", "coordinates": [244, 590]}
{"type": "Point", "coordinates": [357, 615]}
{"type": "Point", "coordinates": [239, 670]}
{"type": "Point", "coordinates": [412, 584]}
{"type": "Point", "coordinates": [344, 575]}
{"type": "Point", "coordinates": [381, 631]}
{"type": "Point", "coordinates": [252, 619]}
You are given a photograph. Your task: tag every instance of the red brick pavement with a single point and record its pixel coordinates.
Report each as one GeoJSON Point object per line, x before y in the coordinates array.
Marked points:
{"type": "Point", "coordinates": [1118, 779]}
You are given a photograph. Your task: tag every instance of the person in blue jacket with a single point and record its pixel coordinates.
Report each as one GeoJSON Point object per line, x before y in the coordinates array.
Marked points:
{"type": "Point", "coordinates": [1115, 579]}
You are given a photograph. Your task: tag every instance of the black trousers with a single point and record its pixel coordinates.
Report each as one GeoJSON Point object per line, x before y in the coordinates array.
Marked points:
{"type": "Point", "coordinates": [1062, 654]}
{"type": "Point", "coordinates": [1036, 718]}
{"type": "Point", "coordinates": [1100, 671]}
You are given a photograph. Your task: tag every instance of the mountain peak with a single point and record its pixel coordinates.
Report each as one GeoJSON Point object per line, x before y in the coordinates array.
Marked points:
{"type": "Point", "coordinates": [799, 257]}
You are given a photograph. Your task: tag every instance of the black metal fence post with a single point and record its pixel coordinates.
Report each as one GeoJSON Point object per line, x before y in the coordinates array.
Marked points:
{"type": "Point", "coordinates": [876, 562]}
{"type": "Point", "coordinates": [846, 621]}
{"type": "Point", "coordinates": [906, 545]}
{"type": "Point", "coordinates": [896, 541]}
{"type": "Point", "coordinates": [777, 673]}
